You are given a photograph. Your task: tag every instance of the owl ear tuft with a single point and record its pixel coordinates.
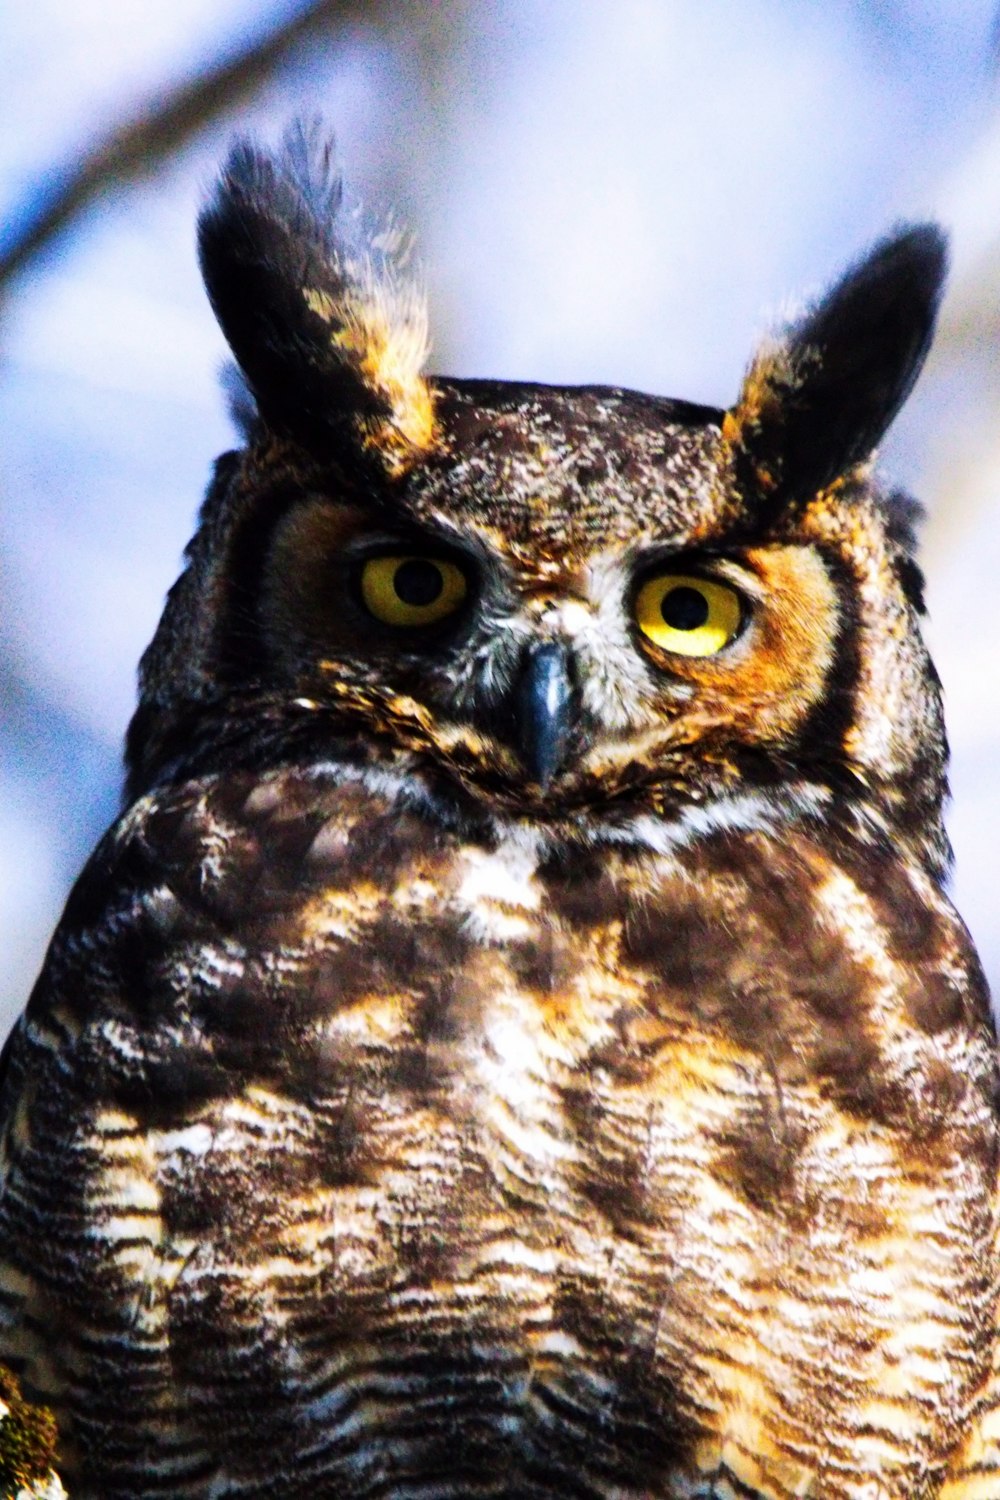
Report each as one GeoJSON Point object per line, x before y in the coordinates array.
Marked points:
{"type": "Point", "coordinates": [816, 401]}
{"type": "Point", "coordinates": [329, 334]}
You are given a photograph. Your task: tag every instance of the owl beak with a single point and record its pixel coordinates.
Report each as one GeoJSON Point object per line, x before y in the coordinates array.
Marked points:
{"type": "Point", "coordinates": [543, 710]}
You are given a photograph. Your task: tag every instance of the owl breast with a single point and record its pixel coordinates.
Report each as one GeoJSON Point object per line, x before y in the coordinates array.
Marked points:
{"type": "Point", "coordinates": [405, 1163]}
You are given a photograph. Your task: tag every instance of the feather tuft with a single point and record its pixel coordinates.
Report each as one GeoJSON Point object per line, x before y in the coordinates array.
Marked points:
{"type": "Point", "coordinates": [329, 328]}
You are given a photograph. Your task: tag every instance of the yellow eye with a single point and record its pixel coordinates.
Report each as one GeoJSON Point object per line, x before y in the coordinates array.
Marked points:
{"type": "Point", "coordinates": [690, 616]}
{"type": "Point", "coordinates": [412, 590]}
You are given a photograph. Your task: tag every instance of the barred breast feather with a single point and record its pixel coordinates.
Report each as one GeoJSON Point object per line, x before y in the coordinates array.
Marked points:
{"type": "Point", "coordinates": [434, 1168]}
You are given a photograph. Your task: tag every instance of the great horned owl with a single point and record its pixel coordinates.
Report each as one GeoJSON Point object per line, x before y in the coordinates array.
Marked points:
{"type": "Point", "coordinates": [516, 1042]}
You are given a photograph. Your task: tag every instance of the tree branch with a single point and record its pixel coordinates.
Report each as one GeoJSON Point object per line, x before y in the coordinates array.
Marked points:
{"type": "Point", "coordinates": [137, 147]}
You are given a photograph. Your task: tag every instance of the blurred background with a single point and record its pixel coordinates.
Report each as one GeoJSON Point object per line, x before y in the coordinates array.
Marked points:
{"type": "Point", "coordinates": [621, 193]}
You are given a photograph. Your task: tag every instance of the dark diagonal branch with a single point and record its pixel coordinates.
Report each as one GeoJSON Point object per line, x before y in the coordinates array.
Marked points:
{"type": "Point", "coordinates": [138, 146]}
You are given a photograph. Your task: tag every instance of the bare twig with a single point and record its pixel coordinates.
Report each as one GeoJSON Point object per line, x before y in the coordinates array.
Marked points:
{"type": "Point", "coordinates": [135, 148]}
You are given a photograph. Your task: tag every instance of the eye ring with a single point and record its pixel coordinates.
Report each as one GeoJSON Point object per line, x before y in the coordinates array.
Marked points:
{"type": "Point", "coordinates": [407, 589]}
{"type": "Point", "coordinates": [688, 615]}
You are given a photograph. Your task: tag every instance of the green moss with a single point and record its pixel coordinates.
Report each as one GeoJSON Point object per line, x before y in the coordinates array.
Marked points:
{"type": "Point", "coordinates": [27, 1439]}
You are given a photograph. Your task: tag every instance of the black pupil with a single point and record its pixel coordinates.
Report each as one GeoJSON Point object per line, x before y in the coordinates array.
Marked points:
{"type": "Point", "coordinates": [418, 582]}
{"type": "Point", "coordinates": [684, 609]}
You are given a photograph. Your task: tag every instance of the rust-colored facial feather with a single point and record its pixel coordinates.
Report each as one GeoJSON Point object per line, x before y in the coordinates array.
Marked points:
{"type": "Point", "coordinates": [515, 1043]}
{"type": "Point", "coordinates": [765, 684]}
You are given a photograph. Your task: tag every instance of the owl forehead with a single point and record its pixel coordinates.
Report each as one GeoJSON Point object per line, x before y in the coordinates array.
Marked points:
{"type": "Point", "coordinates": [556, 475]}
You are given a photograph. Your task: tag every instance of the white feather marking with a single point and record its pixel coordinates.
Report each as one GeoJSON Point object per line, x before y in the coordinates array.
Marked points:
{"type": "Point", "coordinates": [497, 885]}
{"type": "Point", "coordinates": [747, 812]}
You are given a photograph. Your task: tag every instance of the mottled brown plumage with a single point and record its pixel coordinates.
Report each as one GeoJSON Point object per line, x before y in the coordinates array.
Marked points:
{"type": "Point", "coordinates": [516, 1042]}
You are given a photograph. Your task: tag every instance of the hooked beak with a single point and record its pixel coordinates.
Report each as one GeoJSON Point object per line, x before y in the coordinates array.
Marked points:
{"type": "Point", "coordinates": [544, 710]}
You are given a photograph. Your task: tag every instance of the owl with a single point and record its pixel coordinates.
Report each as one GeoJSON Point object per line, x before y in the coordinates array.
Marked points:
{"type": "Point", "coordinates": [515, 1042]}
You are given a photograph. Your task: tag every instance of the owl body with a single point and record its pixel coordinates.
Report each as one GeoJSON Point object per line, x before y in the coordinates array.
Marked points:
{"type": "Point", "coordinates": [515, 1043]}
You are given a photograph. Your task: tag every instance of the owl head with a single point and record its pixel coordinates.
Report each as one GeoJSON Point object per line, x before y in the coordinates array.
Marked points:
{"type": "Point", "coordinates": [583, 605]}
